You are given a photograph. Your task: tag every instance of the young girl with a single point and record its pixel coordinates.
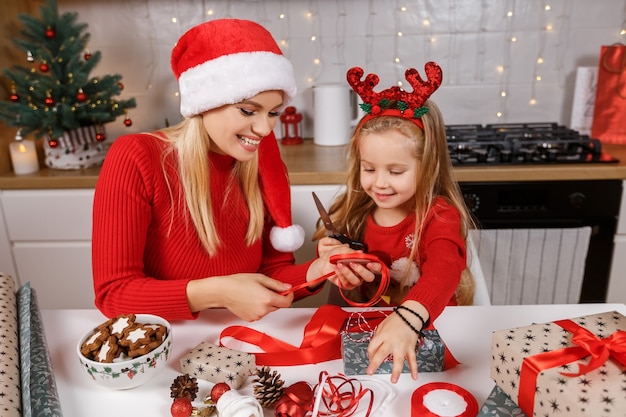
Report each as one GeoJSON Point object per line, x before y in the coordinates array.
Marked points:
{"type": "Point", "coordinates": [403, 202]}
{"type": "Point", "coordinates": [198, 215]}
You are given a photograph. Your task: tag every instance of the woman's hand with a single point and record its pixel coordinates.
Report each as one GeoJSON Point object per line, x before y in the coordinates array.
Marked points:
{"type": "Point", "coordinates": [250, 296]}
{"type": "Point", "coordinates": [348, 274]}
{"type": "Point", "coordinates": [394, 337]}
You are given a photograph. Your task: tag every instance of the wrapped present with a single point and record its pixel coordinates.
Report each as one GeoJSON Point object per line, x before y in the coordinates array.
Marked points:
{"type": "Point", "coordinates": [430, 354]}
{"type": "Point", "coordinates": [499, 404]}
{"type": "Point", "coordinates": [218, 364]}
{"type": "Point", "coordinates": [572, 367]}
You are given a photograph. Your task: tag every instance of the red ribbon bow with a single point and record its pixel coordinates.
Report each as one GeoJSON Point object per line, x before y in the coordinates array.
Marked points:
{"type": "Point", "coordinates": [587, 344]}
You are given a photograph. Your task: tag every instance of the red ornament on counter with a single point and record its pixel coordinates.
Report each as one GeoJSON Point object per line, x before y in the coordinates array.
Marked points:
{"type": "Point", "coordinates": [181, 407]}
{"type": "Point", "coordinates": [291, 126]}
{"type": "Point", "coordinates": [218, 389]}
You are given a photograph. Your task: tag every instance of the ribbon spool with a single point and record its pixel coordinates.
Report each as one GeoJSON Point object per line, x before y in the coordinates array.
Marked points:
{"type": "Point", "coordinates": [439, 399]}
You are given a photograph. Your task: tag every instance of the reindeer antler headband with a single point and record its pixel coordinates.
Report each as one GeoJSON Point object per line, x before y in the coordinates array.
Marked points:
{"type": "Point", "coordinates": [394, 101]}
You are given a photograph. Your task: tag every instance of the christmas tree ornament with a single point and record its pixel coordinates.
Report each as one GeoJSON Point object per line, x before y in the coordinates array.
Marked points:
{"type": "Point", "coordinates": [218, 390]}
{"type": "Point", "coordinates": [184, 386]}
{"type": "Point", "coordinates": [100, 135]}
{"type": "Point", "coordinates": [49, 100]}
{"type": "Point", "coordinates": [81, 97]}
{"type": "Point", "coordinates": [120, 85]}
{"type": "Point", "coordinates": [181, 407]}
{"type": "Point", "coordinates": [50, 33]}
{"type": "Point", "coordinates": [268, 387]}
{"type": "Point", "coordinates": [87, 55]}
{"type": "Point", "coordinates": [43, 67]}
{"type": "Point", "coordinates": [128, 122]}
{"type": "Point", "coordinates": [14, 97]}
{"type": "Point", "coordinates": [29, 56]}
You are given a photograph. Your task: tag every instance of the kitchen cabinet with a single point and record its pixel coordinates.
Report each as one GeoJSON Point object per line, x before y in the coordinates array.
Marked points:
{"type": "Point", "coordinates": [45, 239]}
{"type": "Point", "coordinates": [47, 242]}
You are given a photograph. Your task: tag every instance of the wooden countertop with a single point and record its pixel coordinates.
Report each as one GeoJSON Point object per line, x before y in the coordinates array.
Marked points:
{"type": "Point", "coordinates": [312, 164]}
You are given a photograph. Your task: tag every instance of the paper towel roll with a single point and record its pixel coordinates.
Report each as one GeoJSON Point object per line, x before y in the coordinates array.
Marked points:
{"type": "Point", "coordinates": [334, 112]}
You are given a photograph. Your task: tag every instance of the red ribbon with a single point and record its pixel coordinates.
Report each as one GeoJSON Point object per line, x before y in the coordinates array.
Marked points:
{"type": "Point", "coordinates": [297, 401]}
{"type": "Point", "coordinates": [418, 409]}
{"type": "Point", "coordinates": [341, 395]}
{"type": "Point", "coordinates": [384, 278]}
{"type": "Point", "coordinates": [587, 344]}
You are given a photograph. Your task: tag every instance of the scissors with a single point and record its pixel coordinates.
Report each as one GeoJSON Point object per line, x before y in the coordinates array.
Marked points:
{"type": "Point", "coordinates": [328, 224]}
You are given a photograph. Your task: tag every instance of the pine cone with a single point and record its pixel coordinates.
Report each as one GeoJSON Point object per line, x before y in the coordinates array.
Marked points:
{"type": "Point", "coordinates": [268, 387]}
{"type": "Point", "coordinates": [184, 386]}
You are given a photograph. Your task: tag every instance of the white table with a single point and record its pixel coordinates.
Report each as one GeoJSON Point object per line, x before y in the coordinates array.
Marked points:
{"type": "Point", "coordinates": [465, 330]}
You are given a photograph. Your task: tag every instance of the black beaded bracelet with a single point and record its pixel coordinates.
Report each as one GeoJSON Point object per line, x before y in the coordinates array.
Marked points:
{"type": "Point", "coordinates": [408, 323]}
{"type": "Point", "coordinates": [416, 314]}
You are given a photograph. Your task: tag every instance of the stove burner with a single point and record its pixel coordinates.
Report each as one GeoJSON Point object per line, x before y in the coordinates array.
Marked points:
{"type": "Point", "coordinates": [522, 143]}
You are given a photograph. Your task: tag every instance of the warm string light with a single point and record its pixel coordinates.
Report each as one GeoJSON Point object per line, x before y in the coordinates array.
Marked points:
{"type": "Point", "coordinates": [547, 27]}
{"type": "Point", "coordinates": [503, 69]}
{"type": "Point", "coordinates": [313, 17]}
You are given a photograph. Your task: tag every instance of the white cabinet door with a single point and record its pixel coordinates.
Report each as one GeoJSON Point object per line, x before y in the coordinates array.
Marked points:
{"type": "Point", "coordinates": [59, 272]}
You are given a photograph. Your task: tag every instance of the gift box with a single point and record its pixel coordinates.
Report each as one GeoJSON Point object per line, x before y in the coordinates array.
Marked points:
{"type": "Point", "coordinates": [218, 364]}
{"type": "Point", "coordinates": [499, 404]}
{"type": "Point", "coordinates": [430, 354]}
{"type": "Point", "coordinates": [569, 367]}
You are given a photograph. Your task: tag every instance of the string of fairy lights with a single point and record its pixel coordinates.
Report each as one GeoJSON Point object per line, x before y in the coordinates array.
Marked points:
{"type": "Point", "coordinates": [417, 28]}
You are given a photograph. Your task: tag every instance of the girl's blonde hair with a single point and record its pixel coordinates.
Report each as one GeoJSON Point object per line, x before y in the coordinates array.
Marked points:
{"type": "Point", "coordinates": [190, 144]}
{"type": "Point", "coordinates": [434, 178]}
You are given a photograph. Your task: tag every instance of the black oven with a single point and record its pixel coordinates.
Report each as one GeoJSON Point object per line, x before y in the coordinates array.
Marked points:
{"type": "Point", "coordinates": [555, 204]}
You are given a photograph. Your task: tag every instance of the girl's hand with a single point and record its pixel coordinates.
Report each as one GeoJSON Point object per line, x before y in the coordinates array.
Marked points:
{"type": "Point", "coordinates": [394, 337]}
{"type": "Point", "coordinates": [250, 296]}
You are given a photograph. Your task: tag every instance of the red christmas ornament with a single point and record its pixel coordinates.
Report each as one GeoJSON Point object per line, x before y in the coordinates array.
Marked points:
{"type": "Point", "coordinates": [53, 143]}
{"type": "Point", "coordinates": [218, 389]}
{"type": "Point", "coordinates": [181, 407]}
{"type": "Point", "coordinates": [49, 101]}
{"type": "Point", "coordinates": [100, 136]}
{"type": "Point", "coordinates": [14, 97]}
{"type": "Point", "coordinates": [43, 67]}
{"type": "Point", "coordinates": [50, 33]}
{"type": "Point", "coordinates": [81, 97]}
{"type": "Point", "coordinates": [120, 85]}
{"type": "Point", "coordinates": [87, 55]}
{"type": "Point", "coordinates": [128, 122]}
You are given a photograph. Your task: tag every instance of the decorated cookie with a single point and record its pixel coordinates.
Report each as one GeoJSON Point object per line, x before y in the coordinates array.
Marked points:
{"type": "Point", "coordinates": [121, 323]}
{"type": "Point", "coordinates": [109, 350]}
{"type": "Point", "coordinates": [93, 343]}
{"type": "Point", "coordinates": [136, 336]}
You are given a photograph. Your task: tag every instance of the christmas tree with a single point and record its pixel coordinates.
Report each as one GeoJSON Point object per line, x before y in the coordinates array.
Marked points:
{"type": "Point", "coordinates": [53, 93]}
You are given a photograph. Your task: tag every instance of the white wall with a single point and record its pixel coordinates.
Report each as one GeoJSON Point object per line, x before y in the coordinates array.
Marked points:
{"type": "Point", "coordinates": [469, 38]}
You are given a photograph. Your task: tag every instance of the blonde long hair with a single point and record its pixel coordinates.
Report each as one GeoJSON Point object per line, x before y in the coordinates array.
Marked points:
{"type": "Point", "coordinates": [191, 145]}
{"type": "Point", "coordinates": [434, 178]}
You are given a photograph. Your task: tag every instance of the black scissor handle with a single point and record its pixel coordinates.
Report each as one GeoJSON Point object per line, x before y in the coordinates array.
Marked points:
{"type": "Point", "coordinates": [352, 243]}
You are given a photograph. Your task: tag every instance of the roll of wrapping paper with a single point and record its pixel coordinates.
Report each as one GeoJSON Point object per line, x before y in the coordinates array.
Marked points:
{"type": "Point", "coordinates": [10, 400]}
{"type": "Point", "coordinates": [39, 392]}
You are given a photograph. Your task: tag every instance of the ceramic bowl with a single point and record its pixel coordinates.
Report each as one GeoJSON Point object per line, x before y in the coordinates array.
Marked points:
{"type": "Point", "coordinates": [131, 372]}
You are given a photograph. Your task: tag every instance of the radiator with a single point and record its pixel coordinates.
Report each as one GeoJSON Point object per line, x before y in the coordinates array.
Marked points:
{"type": "Point", "coordinates": [533, 266]}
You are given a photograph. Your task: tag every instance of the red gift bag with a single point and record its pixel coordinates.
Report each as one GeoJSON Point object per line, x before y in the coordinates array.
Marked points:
{"type": "Point", "coordinates": [609, 114]}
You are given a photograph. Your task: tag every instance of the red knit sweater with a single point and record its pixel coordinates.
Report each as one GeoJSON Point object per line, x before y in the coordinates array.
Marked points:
{"type": "Point", "coordinates": [144, 247]}
{"type": "Point", "coordinates": [441, 253]}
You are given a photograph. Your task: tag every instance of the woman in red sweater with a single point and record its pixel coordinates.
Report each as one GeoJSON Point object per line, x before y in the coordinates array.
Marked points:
{"type": "Point", "coordinates": [402, 201]}
{"type": "Point", "coordinates": [198, 215]}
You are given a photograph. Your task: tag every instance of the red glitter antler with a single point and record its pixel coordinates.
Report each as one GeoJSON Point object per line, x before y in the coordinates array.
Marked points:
{"type": "Point", "coordinates": [410, 103]}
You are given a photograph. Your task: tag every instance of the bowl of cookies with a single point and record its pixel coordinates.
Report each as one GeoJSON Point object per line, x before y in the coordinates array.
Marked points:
{"type": "Point", "coordinates": [126, 351]}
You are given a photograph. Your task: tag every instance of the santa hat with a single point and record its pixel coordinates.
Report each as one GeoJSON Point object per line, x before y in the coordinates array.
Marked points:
{"type": "Point", "coordinates": [226, 61]}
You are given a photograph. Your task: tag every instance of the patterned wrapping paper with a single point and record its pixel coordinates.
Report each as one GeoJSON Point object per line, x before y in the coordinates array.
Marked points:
{"type": "Point", "coordinates": [498, 404]}
{"type": "Point", "coordinates": [39, 392]}
{"type": "Point", "coordinates": [218, 364]}
{"type": "Point", "coordinates": [430, 355]}
{"type": "Point", "coordinates": [599, 392]}
{"type": "Point", "coordinates": [10, 399]}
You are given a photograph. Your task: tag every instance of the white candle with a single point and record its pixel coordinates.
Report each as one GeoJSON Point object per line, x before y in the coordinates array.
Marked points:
{"type": "Point", "coordinates": [24, 157]}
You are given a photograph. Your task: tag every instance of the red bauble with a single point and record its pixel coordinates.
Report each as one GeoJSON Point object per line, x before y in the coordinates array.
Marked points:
{"type": "Point", "coordinates": [181, 407]}
{"type": "Point", "coordinates": [100, 136]}
{"type": "Point", "coordinates": [120, 85]}
{"type": "Point", "coordinates": [43, 67]}
{"type": "Point", "coordinates": [50, 33]}
{"type": "Point", "coordinates": [49, 101]}
{"type": "Point", "coordinates": [87, 56]}
{"type": "Point", "coordinates": [218, 389]}
{"type": "Point", "coordinates": [14, 97]}
{"type": "Point", "coordinates": [81, 97]}
{"type": "Point", "coordinates": [53, 143]}
{"type": "Point", "coordinates": [128, 122]}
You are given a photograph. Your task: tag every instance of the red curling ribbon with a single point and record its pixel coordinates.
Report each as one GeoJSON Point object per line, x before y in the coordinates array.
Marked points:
{"type": "Point", "coordinates": [384, 278]}
{"type": "Point", "coordinates": [297, 401]}
{"type": "Point", "coordinates": [419, 409]}
{"type": "Point", "coordinates": [341, 396]}
{"type": "Point", "coordinates": [587, 344]}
